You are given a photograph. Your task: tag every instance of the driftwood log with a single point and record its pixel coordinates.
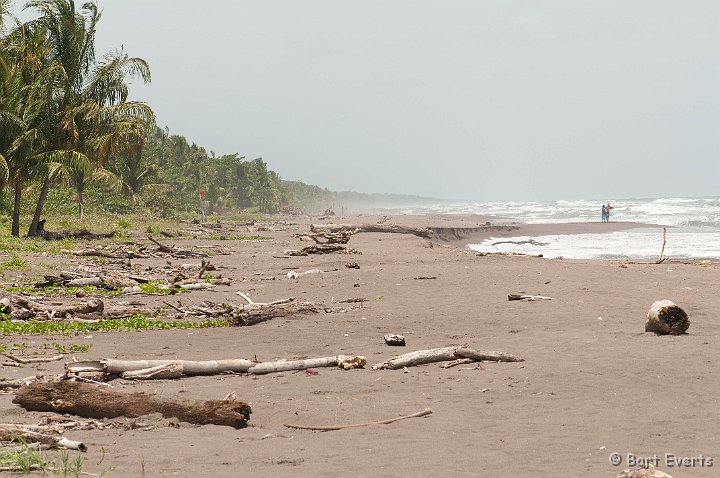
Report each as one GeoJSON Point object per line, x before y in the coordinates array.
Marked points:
{"type": "Point", "coordinates": [89, 401]}
{"type": "Point", "coordinates": [343, 361]}
{"type": "Point", "coordinates": [666, 318]}
{"type": "Point", "coordinates": [341, 237]}
{"type": "Point", "coordinates": [169, 369]}
{"type": "Point", "coordinates": [529, 298]}
{"type": "Point", "coordinates": [255, 312]}
{"type": "Point", "coordinates": [188, 367]}
{"type": "Point", "coordinates": [9, 432]}
{"type": "Point", "coordinates": [322, 249]}
{"type": "Point", "coordinates": [444, 354]}
{"type": "Point", "coordinates": [391, 228]}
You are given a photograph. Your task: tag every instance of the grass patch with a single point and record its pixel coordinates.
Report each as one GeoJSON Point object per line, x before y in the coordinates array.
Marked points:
{"type": "Point", "coordinates": [14, 262]}
{"type": "Point", "coordinates": [62, 290]}
{"type": "Point", "coordinates": [136, 322]}
{"type": "Point", "coordinates": [24, 460]}
{"type": "Point", "coordinates": [157, 287]}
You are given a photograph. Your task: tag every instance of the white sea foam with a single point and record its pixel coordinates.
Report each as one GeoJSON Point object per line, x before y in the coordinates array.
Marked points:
{"type": "Point", "coordinates": [645, 244]}
{"type": "Point", "coordinates": [695, 230]}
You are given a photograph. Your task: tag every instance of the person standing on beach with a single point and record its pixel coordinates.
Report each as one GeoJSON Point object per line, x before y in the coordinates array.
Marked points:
{"type": "Point", "coordinates": [607, 211]}
{"type": "Point", "coordinates": [604, 213]}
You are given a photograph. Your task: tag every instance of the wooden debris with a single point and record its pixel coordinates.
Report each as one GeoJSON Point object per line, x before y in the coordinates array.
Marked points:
{"type": "Point", "coordinates": [529, 298]}
{"type": "Point", "coordinates": [350, 300]}
{"type": "Point", "coordinates": [17, 383]}
{"type": "Point", "coordinates": [188, 367]}
{"type": "Point", "coordinates": [661, 259]}
{"type": "Point", "coordinates": [91, 402]}
{"type": "Point", "coordinates": [340, 237]}
{"type": "Point", "coordinates": [343, 361]}
{"type": "Point", "coordinates": [389, 228]}
{"type": "Point", "coordinates": [424, 277]}
{"type": "Point", "coordinates": [352, 265]}
{"type": "Point", "coordinates": [255, 312]}
{"type": "Point", "coordinates": [649, 472]}
{"type": "Point", "coordinates": [394, 339]}
{"type": "Point", "coordinates": [483, 254]}
{"type": "Point", "coordinates": [9, 432]}
{"type": "Point", "coordinates": [326, 428]}
{"type": "Point", "coordinates": [23, 360]}
{"type": "Point", "coordinates": [444, 354]}
{"type": "Point", "coordinates": [176, 251]}
{"type": "Point", "coordinates": [666, 318]}
{"type": "Point", "coordinates": [532, 242]}
{"type": "Point", "coordinates": [322, 249]}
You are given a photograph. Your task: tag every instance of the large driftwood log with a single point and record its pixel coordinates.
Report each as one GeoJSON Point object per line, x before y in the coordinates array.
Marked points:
{"type": "Point", "coordinates": [255, 312]}
{"type": "Point", "coordinates": [666, 318]}
{"type": "Point", "coordinates": [91, 402]}
{"type": "Point", "coordinates": [189, 367]}
{"type": "Point", "coordinates": [58, 311]}
{"type": "Point", "coordinates": [341, 237]}
{"type": "Point", "coordinates": [393, 228]}
{"type": "Point", "coordinates": [444, 354]}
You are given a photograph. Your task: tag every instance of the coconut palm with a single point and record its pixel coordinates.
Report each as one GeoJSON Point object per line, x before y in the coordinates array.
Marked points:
{"type": "Point", "coordinates": [88, 117]}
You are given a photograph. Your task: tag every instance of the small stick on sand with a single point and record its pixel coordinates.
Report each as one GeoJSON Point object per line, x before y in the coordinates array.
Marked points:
{"type": "Point", "coordinates": [427, 411]}
{"type": "Point", "coordinates": [662, 251]}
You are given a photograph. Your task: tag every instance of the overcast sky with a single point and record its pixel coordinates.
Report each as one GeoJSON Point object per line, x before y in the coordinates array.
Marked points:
{"type": "Point", "coordinates": [475, 99]}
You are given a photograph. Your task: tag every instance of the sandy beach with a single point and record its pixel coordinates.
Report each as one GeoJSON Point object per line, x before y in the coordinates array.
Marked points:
{"type": "Point", "coordinates": [592, 382]}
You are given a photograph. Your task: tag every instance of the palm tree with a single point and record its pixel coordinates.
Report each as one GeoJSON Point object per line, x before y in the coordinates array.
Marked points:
{"type": "Point", "coordinates": [21, 104]}
{"type": "Point", "coordinates": [88, 117]}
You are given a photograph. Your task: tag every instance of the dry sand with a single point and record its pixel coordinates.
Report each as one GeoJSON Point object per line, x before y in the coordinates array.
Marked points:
{"type": "Point", "coordinates": [593, 382]}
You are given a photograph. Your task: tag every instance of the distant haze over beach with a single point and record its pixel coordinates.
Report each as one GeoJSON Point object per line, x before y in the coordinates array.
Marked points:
{"type": "Point", "coordinates": [512, 100]}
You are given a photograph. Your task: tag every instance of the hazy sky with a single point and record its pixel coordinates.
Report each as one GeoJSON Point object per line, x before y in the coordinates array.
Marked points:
{"type": "Point", "coordinates": [476, 99]}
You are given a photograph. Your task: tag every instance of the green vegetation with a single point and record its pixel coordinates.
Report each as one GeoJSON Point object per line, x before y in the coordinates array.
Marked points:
{"type": "Point", "coordinates": [157, 287]}
{"type": "Point", "coordinates": [14, 262]}
{"type": "Point", "coordinates": [26, 459]}
{"type": "Point", "coordinates": [136, 322]}
{"type": "Point", "coordinates": [62, 290]}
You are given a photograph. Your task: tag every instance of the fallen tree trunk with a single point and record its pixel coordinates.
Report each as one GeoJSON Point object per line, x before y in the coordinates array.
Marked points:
{"type": "Point", "coordinates": [189, 367]}
{"type": "Point", "coordinates": [444, 354]}
{"type": "Point", "coordinates": [343, 361]}
{"type": "Point", "coordinates": [390, 228]}
{"type": "Point", "coordinates": [18, 433]}
{"type": "Point", "coordinates": [59, 311]}
{"type": "Point", "coordinates": [91, 402]}
{"type": "Point", "coordinates": [256, 312]}
{"type": "Point", "coordinates": [666, 318]}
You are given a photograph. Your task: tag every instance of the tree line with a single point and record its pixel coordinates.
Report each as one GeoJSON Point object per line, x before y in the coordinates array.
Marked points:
{"type": "Point", "coordinates": [67, 124]}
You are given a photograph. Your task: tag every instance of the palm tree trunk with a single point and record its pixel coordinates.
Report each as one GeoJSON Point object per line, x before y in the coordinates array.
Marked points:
{"type": "Point", "coordinates": [17, 185]}
{"type": "Point", "coordinates": [80, 193]}
{"type": "Point", "coordinates": [33, 231]}
{"type": "Point", "coordinates": [81, 199]}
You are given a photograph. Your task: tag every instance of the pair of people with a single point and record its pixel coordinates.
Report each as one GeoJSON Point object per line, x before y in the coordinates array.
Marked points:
{"type": "Point", "coordinates": [606, 212]}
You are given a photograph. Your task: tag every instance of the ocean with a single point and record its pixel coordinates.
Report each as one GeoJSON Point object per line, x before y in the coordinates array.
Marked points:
{"type": "Point", "coordinates": [693, 227]}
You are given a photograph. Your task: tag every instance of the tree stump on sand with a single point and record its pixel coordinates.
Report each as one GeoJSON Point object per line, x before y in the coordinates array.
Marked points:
{"type": "Point", "coordinates": [666, 318]}
{"type": "Point", "coordinates": [89, 401]}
